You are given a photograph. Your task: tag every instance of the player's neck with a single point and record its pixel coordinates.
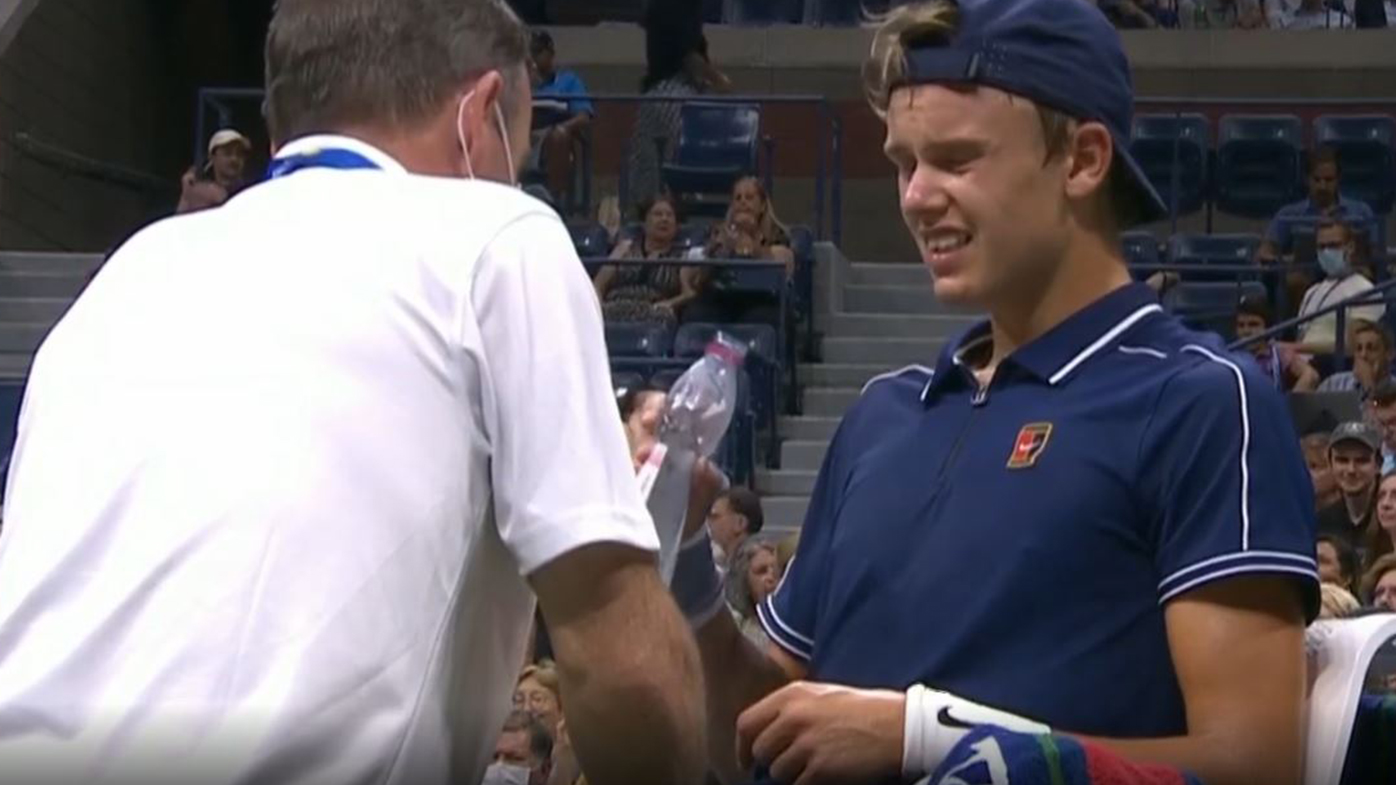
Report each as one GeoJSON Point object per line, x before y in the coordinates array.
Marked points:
{"type": "Point", "coordinates": [1090, 269]}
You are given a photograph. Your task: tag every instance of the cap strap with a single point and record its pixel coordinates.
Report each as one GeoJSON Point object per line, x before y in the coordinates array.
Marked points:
{"type": "Point", "coordinates": [941, 64]}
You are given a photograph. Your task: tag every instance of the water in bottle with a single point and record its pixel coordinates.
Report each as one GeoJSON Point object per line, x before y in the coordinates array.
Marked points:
{"type": "Point", "coordinates": [696, 417]}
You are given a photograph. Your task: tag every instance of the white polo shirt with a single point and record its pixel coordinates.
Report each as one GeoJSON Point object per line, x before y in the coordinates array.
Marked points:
{"type": "Point", "coordinates": [279, 472]}
{"type": "Point", "coordinates": [1329, 292]}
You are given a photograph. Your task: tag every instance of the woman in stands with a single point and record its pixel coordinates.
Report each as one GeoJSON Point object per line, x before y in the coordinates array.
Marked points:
{"type": "Point", "coordinates": [654, 292]}
{"type": "Point", "coordinates": [1381, 540]}
{"type": "Point", "coordinates": [751, 578]}
{"type": "Point", "coordinates": [751, 231]}
{"type": "Point", "coordinates": [1379, 585]}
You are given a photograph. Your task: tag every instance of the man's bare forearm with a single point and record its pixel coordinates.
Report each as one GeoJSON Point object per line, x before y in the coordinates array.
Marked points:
{"type": "Point", "coordinates": [738, 675]}
{"type": "Point", "coordinates": [632, 684]}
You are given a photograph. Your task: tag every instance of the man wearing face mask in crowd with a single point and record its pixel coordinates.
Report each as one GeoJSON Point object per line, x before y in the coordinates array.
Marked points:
{"type": "Point", "coordinates": [349, 425]}
{"type": "Point", "coordinates": [523, 753]}
{"type": "Point", "coordinates": [1341, 281]}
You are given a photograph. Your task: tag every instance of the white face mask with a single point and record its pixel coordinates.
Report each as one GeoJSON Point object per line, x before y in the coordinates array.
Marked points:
{"type": "Point", "coordinates": [506, 774]}
{"type": "Point", "coordinates": [503, 135]}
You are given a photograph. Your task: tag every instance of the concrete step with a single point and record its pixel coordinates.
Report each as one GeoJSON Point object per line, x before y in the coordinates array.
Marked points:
{"type": "Point", "coordinates": [829, 401]}
{"type": "Point", "coordinates": [881, 325]}
{"type": "Point", "coordinates": [33, 309]}
{"type": "Point", "coordinates": [802, 428]}
{"type": "Point", "coordinates": [35, 262]}
{"type": "Point", "coordinates": [15, 365]}
{"type": "Point", "coordinates": [785, 482]}
{"type": "Point", "coordinates": [894, 352]}
{"type": "Point", "coordinates": [839, 374]}
{"type": "Point", "coordinates": [30, 284]}
{"type": "Point", "coordinates": [784, 513]}
{"type": "Point", "coordinates": [803, 455]}
{"type": "Point", "coordinates": [22, 336]}
{"type": "Point", "coordinates": [899, 274]}
{"type": "Point", "coordinates": [890, 300]}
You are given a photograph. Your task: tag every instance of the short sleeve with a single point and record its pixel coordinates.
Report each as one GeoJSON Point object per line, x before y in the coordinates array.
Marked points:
{"type": "Point", "coordinates": [561, 470]}
{"type": "Point", "coordinates": [1279, 233]}
{"type": "Point", "coordinates": [790, 614]}
{"type": "Point", "coordinates": [576, 90]}
{"type": "Point", "coordinates": [1226, 484]}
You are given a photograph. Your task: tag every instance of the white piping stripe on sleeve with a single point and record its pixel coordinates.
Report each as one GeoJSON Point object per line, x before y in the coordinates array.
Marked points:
{"type": "Point", "coordinates": [775, 617]}
{"type": "Point", "coordinates": [1100, 343]}
{"type": "Point", "coordinates": [894, 374]}
{"type": "Point", "coordinates": [1143, 350]}
{"type": "Point", "coordinates": [1255, 555]}
{"type": "Point", "coordinates": [1255, 568]}
{"type": "Point", "coordinates": [1245, 439]}
{"type": "Point", "coordinates": [765, 615]}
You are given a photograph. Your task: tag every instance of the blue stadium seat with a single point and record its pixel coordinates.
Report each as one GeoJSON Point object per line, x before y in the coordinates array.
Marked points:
{"type": "Point", "coordinates": [717, 144]}
{"type": "Point", "coordinates": [1259, 164]}
{"type": "Point", "coordinates": [759, 13]}
{"type": "Point", "coordinates": [695, 233]}
{"type": "Point", "coordinates": [1154, 139]}
{"type": "Point", "coordinates": [1213, 249]}
{"type": "Point", "coordinates": [11, 397]}
{"type": "Point", "coordinates": [1140, 248]}
{"type": "Point", "coordinates": [590, 239]}
{"type": "Point", "coordinates": [625, 381]}
{"type": "Point", "coordinates": [638, 340]}
{"type": "Point", "coordinates": [1366, 147]}
{"type": "Point", "coordinates": [1210, 305]}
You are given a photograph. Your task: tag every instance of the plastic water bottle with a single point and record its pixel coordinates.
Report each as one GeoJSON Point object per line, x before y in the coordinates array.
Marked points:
{"type": "Point", "coordinates": [696, 417]}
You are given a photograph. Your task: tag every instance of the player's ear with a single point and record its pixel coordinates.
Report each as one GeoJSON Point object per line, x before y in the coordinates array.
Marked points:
{"type": "Point", "coordinates": [1090, 154]}
{"type": "Point", "coordinates": [745, 523]}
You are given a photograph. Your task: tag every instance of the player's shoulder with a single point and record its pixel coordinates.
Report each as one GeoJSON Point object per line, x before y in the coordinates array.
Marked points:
{"type": "Point", "coordinates": [1189, 366]}
{"type": "Point", "coordinates": [482, 207]}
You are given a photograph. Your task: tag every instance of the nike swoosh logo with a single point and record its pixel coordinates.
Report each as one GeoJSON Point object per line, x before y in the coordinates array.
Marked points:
{"type": "Point", "coordinates": [944, 717]}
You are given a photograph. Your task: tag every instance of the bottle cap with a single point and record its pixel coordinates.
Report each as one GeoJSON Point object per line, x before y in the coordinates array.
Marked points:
{"type": "Point", "coordinates": [728, 349]}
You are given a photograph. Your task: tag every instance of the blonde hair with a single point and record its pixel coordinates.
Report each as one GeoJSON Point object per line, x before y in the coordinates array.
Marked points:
{"type": "Point", "coordinates": [933, 23]}
{"type": "Point", "coordinates": [771, 227]}
{"type": "Point", "coordinates": [1336, 602]}
{"type": "Point", "coordinates": [545, 673]}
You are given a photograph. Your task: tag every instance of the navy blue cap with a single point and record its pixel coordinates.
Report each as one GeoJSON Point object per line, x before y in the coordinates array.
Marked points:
{"type": "Point", "coordinates": [1062, 54]}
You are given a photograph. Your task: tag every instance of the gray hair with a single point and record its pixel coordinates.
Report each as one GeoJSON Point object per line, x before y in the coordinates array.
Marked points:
{"type": "Point", "coordinates": [337, 63]}
{"type": "Point", "coordinates": [736, 588]}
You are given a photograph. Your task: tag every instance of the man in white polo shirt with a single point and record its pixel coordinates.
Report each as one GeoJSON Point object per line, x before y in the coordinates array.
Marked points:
{"type": "Point", "coordinates": [288, 469]}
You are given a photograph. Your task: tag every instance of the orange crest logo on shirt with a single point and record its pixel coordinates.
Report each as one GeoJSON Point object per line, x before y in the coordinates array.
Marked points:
{"type": "Point", "coordinates": [1032, 440]}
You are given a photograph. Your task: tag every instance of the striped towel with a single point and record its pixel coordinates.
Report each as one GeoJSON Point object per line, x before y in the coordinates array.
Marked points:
{"type": "Point", "coordinates": [993, 756]}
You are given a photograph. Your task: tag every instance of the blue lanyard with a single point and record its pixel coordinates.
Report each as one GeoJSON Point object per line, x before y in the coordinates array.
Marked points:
{"type": "Point", "coordinates": [327, 158]}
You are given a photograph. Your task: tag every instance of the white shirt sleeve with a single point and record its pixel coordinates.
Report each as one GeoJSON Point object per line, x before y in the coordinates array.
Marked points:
{"type": "Point", "coordinates": [561, 470]}
{"type": "Point", "coordinates": [1372, 313]}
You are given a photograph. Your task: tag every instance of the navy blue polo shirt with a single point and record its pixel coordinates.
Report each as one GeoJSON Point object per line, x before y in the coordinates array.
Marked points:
{"type": "Point", "coordinates": [1017, 545]}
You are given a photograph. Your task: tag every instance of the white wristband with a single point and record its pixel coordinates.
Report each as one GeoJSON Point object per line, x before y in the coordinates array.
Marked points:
{"type": "Point", "coordinates": [936, 721]}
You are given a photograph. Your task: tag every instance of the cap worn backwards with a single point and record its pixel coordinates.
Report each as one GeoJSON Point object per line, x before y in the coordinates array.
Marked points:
{"type": "Point", "coordinates": [1061, 54]}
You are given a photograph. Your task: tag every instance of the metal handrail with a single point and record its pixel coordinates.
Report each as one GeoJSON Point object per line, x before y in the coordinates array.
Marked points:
{"type": "Point", "coordinates": [1377, 294]}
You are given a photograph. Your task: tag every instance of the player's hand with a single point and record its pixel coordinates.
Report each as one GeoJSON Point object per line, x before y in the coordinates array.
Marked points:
{"type": "Point", "coordinates": [807, 733]}
{"type": "Point", "coordinates": [708, 481]}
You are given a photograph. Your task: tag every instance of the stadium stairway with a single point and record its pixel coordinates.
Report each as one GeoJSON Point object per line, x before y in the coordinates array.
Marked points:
{"type": "Point", "coordinates": [874, 318]}
{"type": "Point", "coordinates": [35, 290]}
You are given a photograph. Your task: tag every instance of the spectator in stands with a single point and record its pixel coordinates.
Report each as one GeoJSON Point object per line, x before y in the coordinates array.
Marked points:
{"type": "Point", "coordinates": [751, 579]}
{"type": "Point", "coordinates": [222, 176]}
{"type": "Point", "coordinates": [1325, 201]}
{"type": "Point", "coordinates": [1381, 411]}
{"type": "Point", "coordinates": [1371, 345]}
{"type": "Point", "coordinates": [640, 410]}
{"type": "Point", "coordinates": [1353, 451]}
{"type": "Point", "coordinates": [735, 516]}
{"type": "Point", "coordinates": [522, 754]}
{"type": "Point", "coordinates": [1220, 14]}
{"type": "Point", "coordinates": [1138, 14]}
{"type": "Point", "coordinates": [1315, 447]}
{"type": "Point", "coordinates": [751, 230]}
{"type": "Point", "coordinates": [1336, 251]}
{"type": "Point", "coordinates": [1381, 540]}
{"type": "Point", "coordinates": [1288, 369]}
{"type": "Point", "coordinates": [1335, 602]}
{"type": "Point", "coordinates": [1337, 561]}
{"type": "Point", "coordinates": [561, 116]}
{"type": "Point", "coordinates": [539, 692]}
{"type": "Point", "coordinates": [1304, 15]}
{"type": "Point", "coordinates": [654, 292]}
{"type": "Point", "coordinates": [676, 66]}
{"type": "Point", "coordinates": [1379, 584]}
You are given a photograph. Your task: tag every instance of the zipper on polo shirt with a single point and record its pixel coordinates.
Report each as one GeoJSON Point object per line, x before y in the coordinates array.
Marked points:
{"type": "Point", "coordinates": [976, 404]}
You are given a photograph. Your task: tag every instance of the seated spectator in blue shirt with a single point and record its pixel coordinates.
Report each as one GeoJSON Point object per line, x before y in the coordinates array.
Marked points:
{"type": "Point", "coordinates": [1139, 14]}
{"type": "Point", "coordinates": [1371, 361]}
{"type": "Point", "coordinates": [1325, 201]}
{"type": "Point", "coordinates": [1283, 366]}
{"type": "Point", "coordinates": [561, 114]}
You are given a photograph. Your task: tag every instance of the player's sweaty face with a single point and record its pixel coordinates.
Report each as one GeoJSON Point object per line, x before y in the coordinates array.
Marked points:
{"type": "Point", "coordinates": [985, 206]}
